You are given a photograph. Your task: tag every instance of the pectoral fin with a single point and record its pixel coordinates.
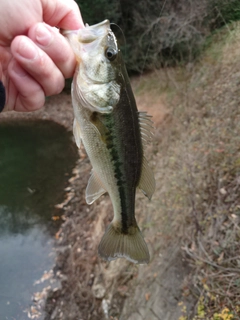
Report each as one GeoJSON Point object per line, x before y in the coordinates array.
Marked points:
{"type": "Point", "coordinates": [147, 181]}
{"type": "Point", "coordinates": [94, 189]}
{"type": "Point", "coordinates": [77, 132]}
{"type": "Point", "coordinates": [84, 102]}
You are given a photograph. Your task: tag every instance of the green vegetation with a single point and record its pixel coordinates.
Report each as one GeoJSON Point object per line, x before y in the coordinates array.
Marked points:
{"type": "Point", "coordinates": [224, 11]}
{"type": "Point", "coordinates": [197, 155]}
{"type": "Point", "coordinates": [159, 32]}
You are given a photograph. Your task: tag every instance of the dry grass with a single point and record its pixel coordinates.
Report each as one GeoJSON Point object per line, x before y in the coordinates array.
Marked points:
{"type": "Point", "coordinates": [197, 168]}
{"type": "Point", "coordinates": [196, 160]}
{"type": "Point", "coordinates": [210, 167]}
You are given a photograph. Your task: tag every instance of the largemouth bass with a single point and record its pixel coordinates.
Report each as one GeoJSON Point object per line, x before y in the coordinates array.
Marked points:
{"type": "Point", "coordinates": [113, 133]}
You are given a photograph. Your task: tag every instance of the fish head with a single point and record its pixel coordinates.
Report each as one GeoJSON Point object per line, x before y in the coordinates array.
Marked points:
{"type": "Point", "coordinates": [99, 63]}
{"type": "Point", "coordinates": [96, 50]}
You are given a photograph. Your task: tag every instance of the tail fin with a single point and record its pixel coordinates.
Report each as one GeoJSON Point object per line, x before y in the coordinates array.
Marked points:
{"type": "Point", "coordinates": [115, 244]}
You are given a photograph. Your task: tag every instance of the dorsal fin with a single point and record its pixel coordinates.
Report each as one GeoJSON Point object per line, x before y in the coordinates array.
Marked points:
{"type": "Point", "coordinates": [147, 181]}
{"type": "Point", "coordinates": [146, 127]}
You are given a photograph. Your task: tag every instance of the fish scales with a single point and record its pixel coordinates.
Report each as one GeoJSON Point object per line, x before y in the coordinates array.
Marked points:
{"type": "Point", "coordinates": [114, 134]}
{"type": "Point", "coordinates": [124, 145]}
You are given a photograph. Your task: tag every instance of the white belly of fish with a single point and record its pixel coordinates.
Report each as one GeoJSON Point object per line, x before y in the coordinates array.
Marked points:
{"type": "Point", "coordinates": [102, 177]}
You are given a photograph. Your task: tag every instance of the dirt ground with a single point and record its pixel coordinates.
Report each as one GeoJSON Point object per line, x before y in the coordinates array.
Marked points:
{"type": "Point", "coordinates": [89, 288]}
{"type": "Point", "coordinates": [194, 151]}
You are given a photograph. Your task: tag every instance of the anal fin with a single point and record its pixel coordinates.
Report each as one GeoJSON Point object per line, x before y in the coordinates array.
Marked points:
{"type": "Point", "coordinates": [94, 188]}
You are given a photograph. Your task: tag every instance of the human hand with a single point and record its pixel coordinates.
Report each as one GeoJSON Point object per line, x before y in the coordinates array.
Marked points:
{"type": "Point", "coordinates": [34, 57]}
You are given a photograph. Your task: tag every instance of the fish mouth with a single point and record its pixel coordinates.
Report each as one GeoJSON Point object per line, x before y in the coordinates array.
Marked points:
{"type": "Point", "coordinates": [99, 25]}
{"type": "Point", "coordinates": [89, 33]}
{"type": "Point", "coordinates": [67, 33]}
{"type": "Point", "coordinates": [92, 33]}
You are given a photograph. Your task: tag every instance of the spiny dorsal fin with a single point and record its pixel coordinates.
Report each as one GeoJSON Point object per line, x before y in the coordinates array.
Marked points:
{"type": "Point", "coordinates": [132, 246]}
{"type": "Point", "coordinates": [147, 181]}
{"type": "Point", "coordinates": [146, 127]}
{"type": "Point", "coordinates": [77, 132]}
{"type": "Point", "coordinates": [94, 188]}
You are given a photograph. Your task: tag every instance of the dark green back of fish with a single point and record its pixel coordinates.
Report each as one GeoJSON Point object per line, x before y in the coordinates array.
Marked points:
{"type": "Point", "coordinates": [123, 140]}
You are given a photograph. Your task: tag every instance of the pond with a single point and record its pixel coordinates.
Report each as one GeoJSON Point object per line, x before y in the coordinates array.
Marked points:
{"type": "Point", "coordinates": [36, 161]}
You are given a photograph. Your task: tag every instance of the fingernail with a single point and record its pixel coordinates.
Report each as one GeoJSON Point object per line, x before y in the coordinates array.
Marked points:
{"type": "Point", "coordinates": [43, 35]}
{"type": "Point", "coordinates": [27, 49]}
{"type": "Point", "coordinates": [19, 70]}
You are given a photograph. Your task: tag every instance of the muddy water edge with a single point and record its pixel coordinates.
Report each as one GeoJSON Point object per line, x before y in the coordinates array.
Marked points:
{"type": "Point", "coordinates": [36, 161]}
{"type": "Point", "coordinates": [91, 288]}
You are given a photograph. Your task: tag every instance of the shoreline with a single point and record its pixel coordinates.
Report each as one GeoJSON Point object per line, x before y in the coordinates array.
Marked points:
{"type": "Point", "coordinates": [90, 288]}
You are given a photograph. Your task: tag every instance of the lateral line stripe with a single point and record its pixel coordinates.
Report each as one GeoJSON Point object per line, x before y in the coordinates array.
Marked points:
{"type": "Point", "coordinates": [119, 177]}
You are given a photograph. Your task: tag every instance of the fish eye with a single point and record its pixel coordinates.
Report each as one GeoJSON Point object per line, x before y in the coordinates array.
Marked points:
{"type": "Point", "coordinates": [111, 54]}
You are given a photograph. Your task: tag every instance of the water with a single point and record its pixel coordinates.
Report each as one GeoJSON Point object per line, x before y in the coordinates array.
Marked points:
{"type": "Point", "coordinates": [36, 160]}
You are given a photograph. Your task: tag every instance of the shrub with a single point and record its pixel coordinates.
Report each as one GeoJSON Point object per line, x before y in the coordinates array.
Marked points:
{"type": "Point", "coordinates": [160, 32]}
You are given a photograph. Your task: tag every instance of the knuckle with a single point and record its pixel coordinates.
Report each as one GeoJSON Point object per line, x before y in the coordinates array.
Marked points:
{"type": "Point", "coordinates": [28, 105]}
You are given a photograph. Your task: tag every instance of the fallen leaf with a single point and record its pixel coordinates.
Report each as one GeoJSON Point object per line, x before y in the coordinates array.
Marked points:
{"type": "Point", "coordinates": [147, 296]}
{"type": "Point", "coordinates": [57, 235]}
{"type": "Point", "coordinates": [220, 258]}
{"type": "Point", "coordinates": [55, 218]}
{"type": "Point", "coordinates": [223, 191]}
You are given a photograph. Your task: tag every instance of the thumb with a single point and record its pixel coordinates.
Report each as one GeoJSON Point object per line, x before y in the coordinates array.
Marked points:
{"type": "Point", "coordinates": [64, 14]}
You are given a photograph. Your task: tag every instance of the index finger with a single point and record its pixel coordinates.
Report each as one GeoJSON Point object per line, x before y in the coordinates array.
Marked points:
{"type": "Point", "coordinates": [64, 14]}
